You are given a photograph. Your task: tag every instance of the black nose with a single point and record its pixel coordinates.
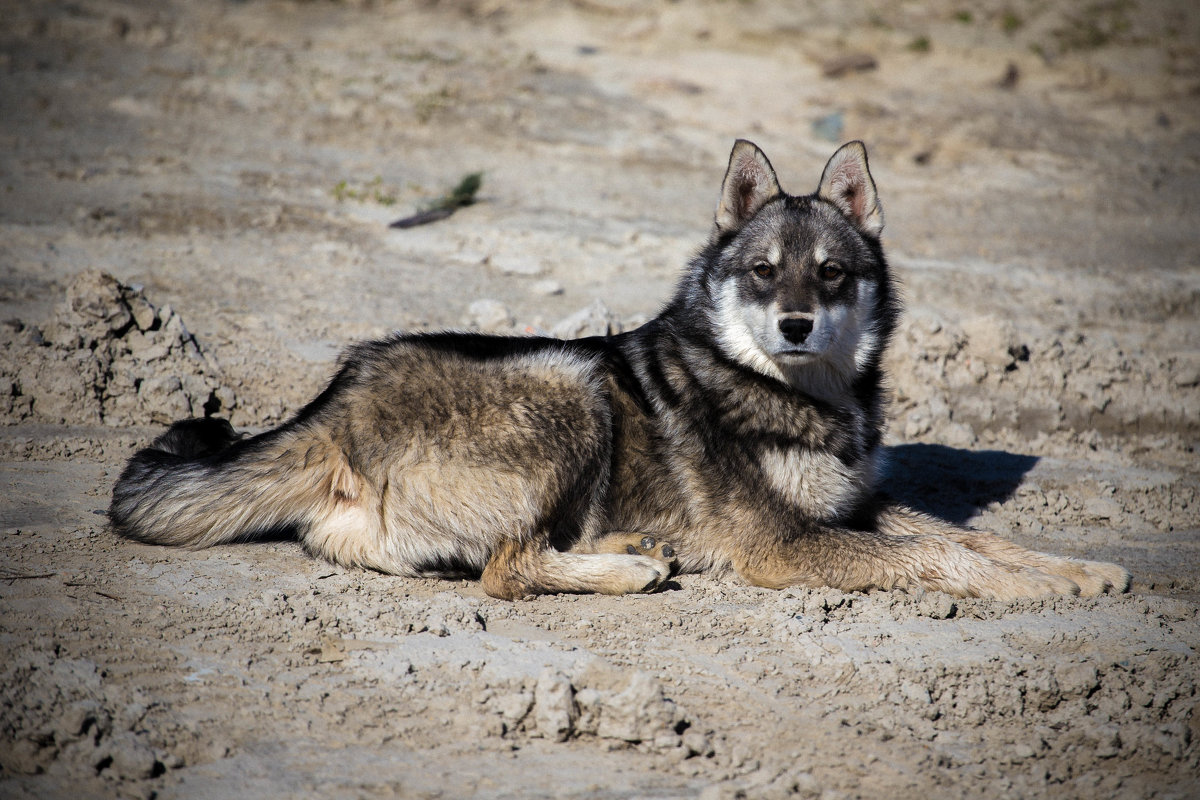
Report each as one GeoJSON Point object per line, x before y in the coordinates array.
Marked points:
{"type": "Point", "coordinates": [795, 329]}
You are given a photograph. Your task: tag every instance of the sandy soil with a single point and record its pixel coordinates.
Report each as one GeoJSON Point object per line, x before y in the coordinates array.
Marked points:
{"type": "Point", "coordinates": [194, 201]}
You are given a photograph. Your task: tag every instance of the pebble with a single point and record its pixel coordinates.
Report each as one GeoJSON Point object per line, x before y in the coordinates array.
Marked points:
{"type": "Point", "coordinates": [489, 316]}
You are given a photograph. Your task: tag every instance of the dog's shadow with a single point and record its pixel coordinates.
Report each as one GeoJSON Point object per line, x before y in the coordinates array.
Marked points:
{"type": "Point", "coordinates": [949, 483]}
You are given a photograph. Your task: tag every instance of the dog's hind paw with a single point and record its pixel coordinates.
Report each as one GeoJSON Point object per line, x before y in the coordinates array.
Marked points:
{"type": "Point", "coordinates": [632, 562]}
{"type": "Point", "coordinates": [649, 546]}
{"type": "Point", "coordinates": [637, 544]}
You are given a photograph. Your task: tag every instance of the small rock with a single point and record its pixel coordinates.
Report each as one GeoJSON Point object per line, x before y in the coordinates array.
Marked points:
{"type": "Point", "coordinates": [995, 341]}
{"type": "Point", "coordinates": [587, 706]}
{"type": "Point", "coordinates": [1077, 679]}
{"type": "Point", "coordinates": [164, 398]}
{"type": "Point", "coordinates": [1186, 371]}
{"type": "Point", "coordinates": [95, 302]}
{"type": "Point", "coordinates": [488, 727]}
{"type": "Point", "coordinates": [515, 264]}
{"type": "Point", "coordinates": [829, 127]}
{"type": "Point", "coordinates": [638, 713]}
{"type": "Point", "coordinates": [666, 740]}
{"type": "Point", "coordinates": [489, 315]}
{"type": "Point", "coordinates": [331, 651]}
{"type": "Point", "coordinates": [1042, 693]}
{"type": "Point", "coordinates": [174, 326]}
{"type": "Point", "coordinates": [146, 348]}
{"type": "Point", "coordinates": [546, 288]}
{"type": "Point", "coordinates": [1022, 751]}
{"type": "Point", "coordinates": [595, 320]}
{"type": "Point", "coordinates": [226, 397]}
{"type": "Point", "coordinates": [915, 693]}
{"type": "Point", "coordinates": [845, 64]}
{"type": "Point", "coordinates": [1108, 742]}
{"type": "Point", "coordinates": [937, 605]}
{"type": "Point", "coordinates": [958, 434]}
{"type": "Point", "coordinates": [1102, 508]}
{"type": "Point", "coordinates": [513, 707]}
{"type": "Point", "coordinates": [697, 743]}
{"type": "Point", "coordinates": [145, 316]}
{"type": "Point", "coordinates": [722, 791]}
{"type": "Point", "coordinates": [131, 759]}
{"type": "Point", "coordinates": [554, 706]}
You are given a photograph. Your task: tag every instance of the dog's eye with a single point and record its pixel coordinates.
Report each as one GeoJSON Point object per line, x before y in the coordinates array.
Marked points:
{"type": "Point", "coordinates": [763, 270]}
{"type": "Point", "coordinates": [831, 271]}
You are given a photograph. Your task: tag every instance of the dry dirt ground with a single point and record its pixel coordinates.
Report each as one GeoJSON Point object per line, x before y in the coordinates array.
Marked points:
{"type": "Point", "coordinates": [233, 167]}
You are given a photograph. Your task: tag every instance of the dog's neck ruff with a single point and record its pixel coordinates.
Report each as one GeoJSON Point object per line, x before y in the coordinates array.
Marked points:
{"type": "Point", "coordinates": [820, 380]}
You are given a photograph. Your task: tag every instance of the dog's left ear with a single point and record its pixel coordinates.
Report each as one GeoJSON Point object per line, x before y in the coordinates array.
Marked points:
{"type": "Point", "coordinates": [847, 184]}
{"type": "Point", "coordinates": [749, 184]}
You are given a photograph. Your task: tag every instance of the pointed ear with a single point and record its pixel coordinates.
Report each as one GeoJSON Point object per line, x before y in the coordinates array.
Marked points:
{"type": "Point", "coordinates": [749, 183]}
{"type": "Point", "coordinates": [847, 184]}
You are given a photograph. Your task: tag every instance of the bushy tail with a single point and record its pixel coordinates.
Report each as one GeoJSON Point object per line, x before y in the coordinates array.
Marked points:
{"type": "Point", "coordinates": [201, 483]}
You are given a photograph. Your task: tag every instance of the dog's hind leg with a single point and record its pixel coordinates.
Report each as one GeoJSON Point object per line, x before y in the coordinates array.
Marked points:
{"type": "Point", "coordinates": [1092, 577]}
{"type": "Point", "coordinates": [518, 568]}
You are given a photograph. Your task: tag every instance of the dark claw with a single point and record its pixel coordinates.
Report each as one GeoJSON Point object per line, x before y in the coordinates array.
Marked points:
{"type": "Point", "coordinates": [668, 551]}
{"type": "Point", "coordinates": [631, 550]}
{"type": "Point", "coordinates": [648, 543]}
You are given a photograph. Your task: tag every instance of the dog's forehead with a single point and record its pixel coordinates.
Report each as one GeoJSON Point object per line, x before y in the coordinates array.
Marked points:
{"type": "Point", "coordinates": [799, 226]}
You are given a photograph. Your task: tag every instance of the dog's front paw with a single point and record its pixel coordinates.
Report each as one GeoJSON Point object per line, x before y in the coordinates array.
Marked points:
{"type": "Point", "coordinates": [654, 577]}
{"type": "Point", "coordinates": [1098, 577]}
{"type": "Point", "coordinates": [1017, 584]}
{"type": "Point", "coordinates": [1092, 577]}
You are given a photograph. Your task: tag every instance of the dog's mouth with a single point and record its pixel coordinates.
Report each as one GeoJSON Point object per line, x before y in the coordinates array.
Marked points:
{"type": "Point", "coordinates": [795, 354]}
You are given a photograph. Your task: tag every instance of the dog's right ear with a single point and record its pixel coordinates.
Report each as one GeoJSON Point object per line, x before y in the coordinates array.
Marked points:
{"type": "Point", "coordinates": [749, 184]}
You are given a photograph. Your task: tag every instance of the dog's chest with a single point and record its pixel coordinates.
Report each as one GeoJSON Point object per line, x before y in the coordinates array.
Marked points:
{"type": "Point", "coordinates": [816, 482]}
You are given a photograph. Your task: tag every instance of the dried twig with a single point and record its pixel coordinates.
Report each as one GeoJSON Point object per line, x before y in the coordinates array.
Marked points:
{"type": "Point", "coordinates": [7, 574]}
{"type": "Point", "coordinates": [461, 195]}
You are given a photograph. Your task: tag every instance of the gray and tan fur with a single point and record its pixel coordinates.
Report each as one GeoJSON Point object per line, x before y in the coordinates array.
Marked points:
{"type": "Point", "coordinates": [740, 429]}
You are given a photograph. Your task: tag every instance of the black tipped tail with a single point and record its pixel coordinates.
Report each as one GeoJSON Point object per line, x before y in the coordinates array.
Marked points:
{"type": "Point", "coordinates": [196, 438]}
{"type": "Point", "coordinates": [201, 483]}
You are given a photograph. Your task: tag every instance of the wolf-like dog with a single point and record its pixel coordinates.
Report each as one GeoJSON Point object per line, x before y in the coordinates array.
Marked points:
{"type": "Point", "coordinates": [738, 430]}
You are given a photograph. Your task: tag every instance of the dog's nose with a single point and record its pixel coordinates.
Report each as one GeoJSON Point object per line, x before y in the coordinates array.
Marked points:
{"type": "Point", "coordinates": [795, 329]}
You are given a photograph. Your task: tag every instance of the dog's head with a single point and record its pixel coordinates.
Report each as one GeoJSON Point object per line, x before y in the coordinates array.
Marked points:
{"type": "Point", "coordinates": [797, 285]}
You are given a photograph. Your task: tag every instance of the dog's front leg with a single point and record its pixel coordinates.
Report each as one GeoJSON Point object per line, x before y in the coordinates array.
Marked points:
{"type": "Point", "coordinates": [859, 560]}
{"type": "Point", "coordinates": [1092, 577]}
